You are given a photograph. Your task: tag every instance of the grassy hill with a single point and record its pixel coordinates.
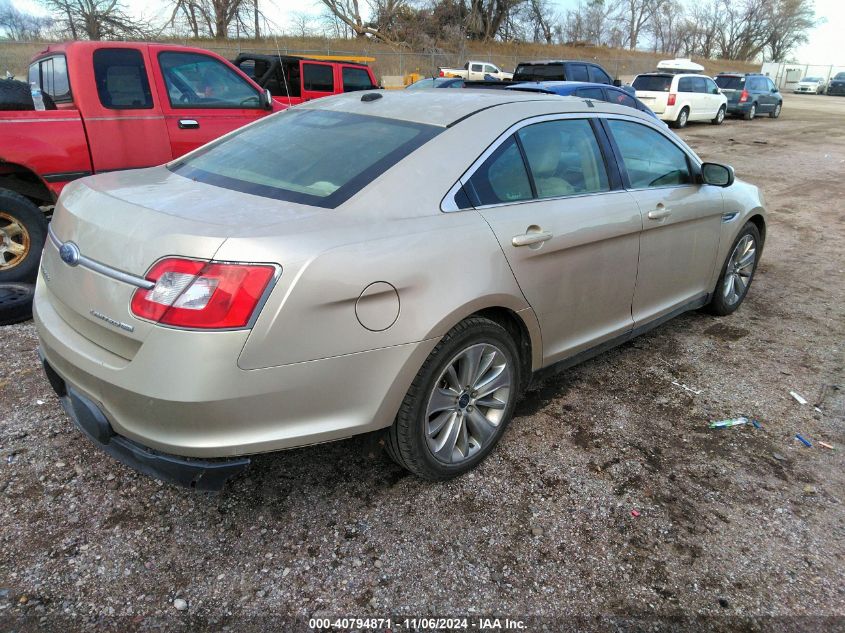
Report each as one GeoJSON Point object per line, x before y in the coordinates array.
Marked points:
{"type": "Point", "coordinates": [15, 56]}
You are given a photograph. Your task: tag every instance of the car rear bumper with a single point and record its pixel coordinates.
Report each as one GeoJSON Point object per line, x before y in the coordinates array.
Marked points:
{"type": "Point", "coordinates": [739, 108]}
{"type": "Point", "coordinates": [194, 401]}
{"type": "Point", "coordinates": [90, 419]}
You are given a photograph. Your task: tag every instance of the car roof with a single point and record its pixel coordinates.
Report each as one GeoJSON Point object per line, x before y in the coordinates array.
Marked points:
{"type": "Point", "coordinates": [447, 107]}
{"type": "Point", "coordinates": [556, 61]}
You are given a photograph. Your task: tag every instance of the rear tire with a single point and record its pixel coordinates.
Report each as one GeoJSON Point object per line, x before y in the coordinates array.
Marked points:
{"type": "Point", "coordinates": [682, 120]}
{"type": "Point", "coordinates": [751, 113]}
{"type": "Point", "coordinates": [720, 117]}
{"type": "Point", "coordinates": [460, 402]}
{"type": "Point", "coordinates": [15, 303]}
{"type": "Point", "coordinates": [23, 231]}
{"type": "Point", "coordinates": [776, 112]}
{"type": "Point", "coordinates": [737, 272]}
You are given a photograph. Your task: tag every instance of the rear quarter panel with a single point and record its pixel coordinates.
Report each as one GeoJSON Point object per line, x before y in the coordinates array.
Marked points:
{"type": "Point", "coordinates": [51, 143]}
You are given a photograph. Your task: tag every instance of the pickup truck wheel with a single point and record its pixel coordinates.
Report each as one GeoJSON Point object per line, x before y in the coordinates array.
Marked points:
{"type": "Point", "coordinates": [15, 303]}
{"type": "Point", "coordinates": [23, 231]}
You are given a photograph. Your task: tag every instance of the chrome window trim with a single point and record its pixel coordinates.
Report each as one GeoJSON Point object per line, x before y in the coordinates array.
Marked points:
{"type": "Point", "coordinates": [448, 204]}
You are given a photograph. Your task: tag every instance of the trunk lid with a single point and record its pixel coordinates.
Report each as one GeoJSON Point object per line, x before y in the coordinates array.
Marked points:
{"type": "Point", "coordinates": [654, 100]}
{"type": "Point", "coordinates": [128, 220]}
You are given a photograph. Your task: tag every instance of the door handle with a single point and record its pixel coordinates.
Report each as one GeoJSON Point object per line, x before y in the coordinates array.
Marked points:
{"type": "Point", "coordinates": [660, 213]}
{"type": "Point", "coordinates": [527, 239]}
{"type": "Point", "coordinates": [188, 124]}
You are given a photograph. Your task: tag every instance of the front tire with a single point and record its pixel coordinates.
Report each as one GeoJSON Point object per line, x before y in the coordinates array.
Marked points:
{"type": "Point", "coordinates": [23, 231]}
{"type": "Point", "coordinates": [460, 402]}
{"type": "Point", "coordinates": [720, 117]}
{"type": "Point", "coordinates": [737, 272]}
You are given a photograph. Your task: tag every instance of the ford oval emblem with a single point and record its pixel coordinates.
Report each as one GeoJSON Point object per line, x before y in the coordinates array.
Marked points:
{"type": "Point", "coordinates": [69, 252]}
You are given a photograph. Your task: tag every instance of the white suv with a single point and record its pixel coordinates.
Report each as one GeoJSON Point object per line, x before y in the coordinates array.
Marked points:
{"type": "Point", "coordinates": [679, 98]}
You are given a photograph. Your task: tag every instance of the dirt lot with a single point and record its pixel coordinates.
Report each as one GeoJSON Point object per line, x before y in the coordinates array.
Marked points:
{"type": "Point", "coordinates": [743, 525]}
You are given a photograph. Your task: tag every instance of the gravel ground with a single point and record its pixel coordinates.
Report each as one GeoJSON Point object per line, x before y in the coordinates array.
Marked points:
{"type": "Point", "coordinates": [737, 528]}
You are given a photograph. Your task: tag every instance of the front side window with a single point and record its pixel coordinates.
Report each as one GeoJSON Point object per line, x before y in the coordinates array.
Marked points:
{"type": "Point", "coordinates": [314, 157]}
{"type": "Point", "coordinates": [597, 75]}
{"type": "Point", "coordinates": [699, 85]}
{"type": "Point", "coordinates": [318, 77]}
{"type": "Point", "coordinates": [564, 158]}
{"type": "Point", "coordinates": [651, 159]}
{"type": "Point", "coordinates": [356, 79]}
{"type": "Point", "coordinates": [491, 70]}
{"type": "Point", "coordinates": [194, 80]}
{"type": "Point", "coordinates": [501, 179]}
{"type": "Point", "coordinates": [710, 86]}
{"type": "Point", "coordinates": [121, 78]}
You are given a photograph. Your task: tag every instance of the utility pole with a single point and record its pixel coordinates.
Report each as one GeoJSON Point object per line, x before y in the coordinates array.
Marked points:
{"type": "Point", "coordinates": [257, 35]}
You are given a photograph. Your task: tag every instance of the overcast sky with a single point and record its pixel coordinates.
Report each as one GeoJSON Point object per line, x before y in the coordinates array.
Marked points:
{"type": "Point", "coordinates": [824, 46]}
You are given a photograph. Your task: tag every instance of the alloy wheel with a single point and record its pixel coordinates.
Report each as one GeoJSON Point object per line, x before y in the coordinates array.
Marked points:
{"type": "Point", "coordinates": [682, 119]}
{"type": "Point", "coordinates": [14, 242]}
{"type": "Point", "coordinates": [740, 269]}
{"type": "Point", "coordinates": [468, 403]}
{"type": "Point", "coordinates": [720, 116]}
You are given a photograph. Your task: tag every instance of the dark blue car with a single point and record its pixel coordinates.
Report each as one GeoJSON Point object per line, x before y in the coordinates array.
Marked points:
{"type": "Point", "coordinates": [585, 90]}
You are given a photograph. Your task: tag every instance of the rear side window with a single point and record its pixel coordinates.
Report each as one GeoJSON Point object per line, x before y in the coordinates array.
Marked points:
{"type": "Point", "coordinates": [539, 72]}
{"type": "Point", "coordinates": [652, 83]}
{"type": "Point", "coordinates": [318, 77]}
{"type": "Point", "coordinates": [590, 93]}
{"type": "Point", "coordinates": [356, 79]}
{"type": "Point", "coordinates": [597, 75]}
{"type": "Point", "coordinates": [121, 77]}
{"type": "Point", "coordinates": [564, 158]}
{"type": "Point", "coordinates": [51, 76]}
{"type": "Point", "coordinates": [621, 98]}
{"type": "Point", "coordinates": [651, 159]}
{"type": "Point", "coordinates": [577, 72]}
{"type": "Point", "coordinates": [729, 82]}
{"type": "Point", "coordinates": [502, 178]}
{"type": "Point", "coordinates": [315, 157]}
{"type": "Point", "coordinates": [194, 80]}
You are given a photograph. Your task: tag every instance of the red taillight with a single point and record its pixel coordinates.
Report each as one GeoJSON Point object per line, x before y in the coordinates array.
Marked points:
{"type": "Point", "coordinates": [743, 97]}
{"type": "Point", "coordinates": [671, 100]}
{"type": "Point", "coordinates": [206, 295]}
{"type": "Point", "coordinates": [442, 74]}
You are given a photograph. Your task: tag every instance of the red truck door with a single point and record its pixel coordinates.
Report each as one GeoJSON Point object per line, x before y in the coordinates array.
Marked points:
{"type": "Point", "coordinates": [202, 97]}
{"type": "Point", "coordinates": [317, 80]}
{"type": "Point", "coordinates": [124, 122]}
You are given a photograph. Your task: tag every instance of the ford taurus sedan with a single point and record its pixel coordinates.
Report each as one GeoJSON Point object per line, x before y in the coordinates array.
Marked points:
{"type": "Point", "coordinates": [396, 261]}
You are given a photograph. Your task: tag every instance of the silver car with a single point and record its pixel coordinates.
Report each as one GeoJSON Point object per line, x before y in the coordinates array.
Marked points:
{"type": "Point", "coordinates": [399, 261]}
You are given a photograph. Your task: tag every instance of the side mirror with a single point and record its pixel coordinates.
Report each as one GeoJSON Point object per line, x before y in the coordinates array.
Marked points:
{"type": "Point", "coordinates": [717, 174]}
{"type": "Point", "coordinates": [267, 99]}
{"type": "Point", "coordinates": [774, 90]}
{"type": "Point", "coordinates": [617, 83]}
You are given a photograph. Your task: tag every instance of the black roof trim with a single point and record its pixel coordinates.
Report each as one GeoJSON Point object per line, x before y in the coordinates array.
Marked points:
{"type": "Point", "coordinates": [495, 105]}
{"type": "Point", "coordinates": [271, 57]}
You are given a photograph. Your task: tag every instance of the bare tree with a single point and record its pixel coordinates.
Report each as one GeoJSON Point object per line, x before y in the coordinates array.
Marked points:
{"type": "Point", "coordinates": [94, 19]}
{"type": "Point", "coordinates": [19, 25]}
{"type": "Point", "coordinates": [383, 13]}
{"type": "Point", "coordinates": [216, 18]}
{"type": "Point", "coordinates": [302, 23]}
{"type": "Point", "coordinates": [790, 22]}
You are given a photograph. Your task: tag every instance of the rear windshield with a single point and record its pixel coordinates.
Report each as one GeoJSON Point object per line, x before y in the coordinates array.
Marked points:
{"type": "Point", "coordinates": [313, 157]}
{"type": "Point", "coordinates": [728, 82]}
{"type": "Point", "coordinates": [538, 72]}
{"type": "Point", "coordinates": [813, 80]}
{"type": "Point", "coordinates": [652, 83]}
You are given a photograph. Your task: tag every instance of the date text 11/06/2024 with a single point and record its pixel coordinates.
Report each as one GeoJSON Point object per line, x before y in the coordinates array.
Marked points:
{"type": "Point", "coordinates": [417, 624]}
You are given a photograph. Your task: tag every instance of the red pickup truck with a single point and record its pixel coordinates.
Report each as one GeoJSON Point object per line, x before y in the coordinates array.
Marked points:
{"type": "Point", "coordinates": [119, 105]}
